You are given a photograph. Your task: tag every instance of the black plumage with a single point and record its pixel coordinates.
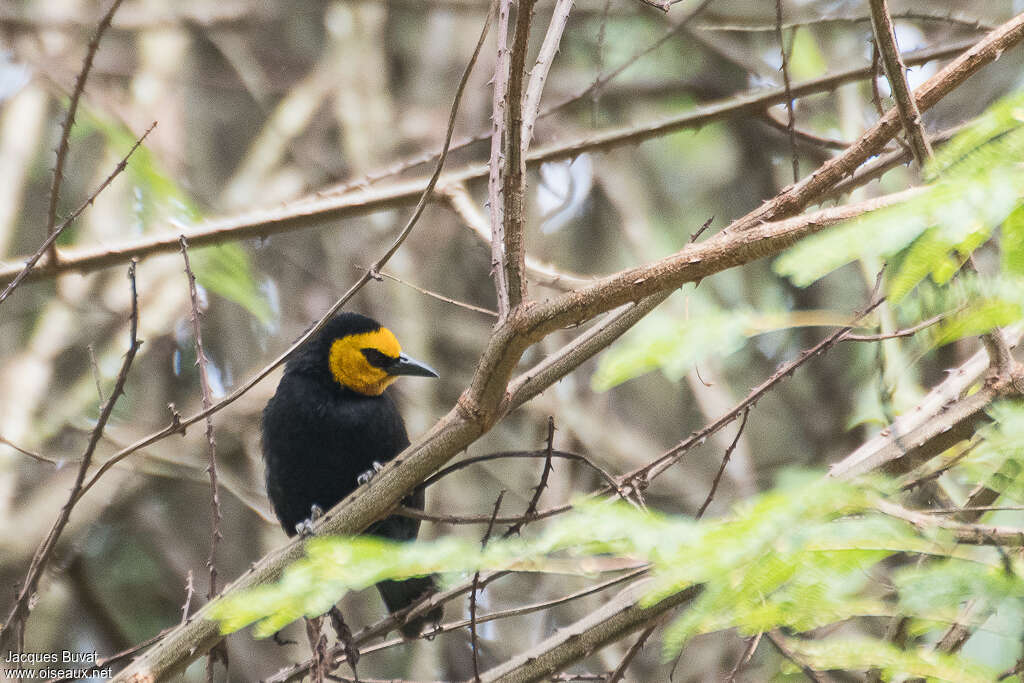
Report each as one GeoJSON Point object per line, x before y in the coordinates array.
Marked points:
{"type": "Point", "coordinates": [320, 435]}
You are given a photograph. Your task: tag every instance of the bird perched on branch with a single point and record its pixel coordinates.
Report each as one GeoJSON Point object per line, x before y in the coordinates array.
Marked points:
{"type": "Point", "coordinates": [331, 425]}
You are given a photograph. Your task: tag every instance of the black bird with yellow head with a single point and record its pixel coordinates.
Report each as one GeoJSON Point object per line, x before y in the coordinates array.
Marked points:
{"type": "Point", "coordinates": [331, 424]}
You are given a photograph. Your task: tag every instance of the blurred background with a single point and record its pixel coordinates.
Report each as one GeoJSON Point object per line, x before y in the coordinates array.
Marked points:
{"type": "Point", "coordinates": [259, 104]}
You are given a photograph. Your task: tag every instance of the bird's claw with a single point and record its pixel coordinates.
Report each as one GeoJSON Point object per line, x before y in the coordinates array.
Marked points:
{"type": "Point", "coordinates": [370, 473]}
{"type": "Point", "coordinates": [305, 528]}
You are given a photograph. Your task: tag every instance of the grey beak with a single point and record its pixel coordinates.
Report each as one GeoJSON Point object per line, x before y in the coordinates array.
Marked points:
{"type": "Point", "coordinates": [410, 366]}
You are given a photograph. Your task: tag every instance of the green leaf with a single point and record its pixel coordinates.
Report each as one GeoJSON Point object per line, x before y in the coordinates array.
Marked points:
{"type": "Point", "coordinates": [981, 318]}
{"type": "Point", "coordinates": [1012, 243]}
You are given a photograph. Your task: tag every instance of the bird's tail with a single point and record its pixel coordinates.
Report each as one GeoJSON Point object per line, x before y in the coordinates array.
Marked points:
{"type": "Point", "coordinates": [398, 595]}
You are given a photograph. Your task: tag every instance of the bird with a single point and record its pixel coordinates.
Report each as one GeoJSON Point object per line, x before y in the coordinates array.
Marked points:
{"type": "Point", "coordinates": [331, 424]}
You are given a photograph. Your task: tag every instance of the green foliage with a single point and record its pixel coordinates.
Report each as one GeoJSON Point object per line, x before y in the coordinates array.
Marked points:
{"type": "Point", "coordinates": [975, 182]}
{"type": "Point", "coordinates": [796, 557]}
{"type": "Point", "coordinates": [226, 269]}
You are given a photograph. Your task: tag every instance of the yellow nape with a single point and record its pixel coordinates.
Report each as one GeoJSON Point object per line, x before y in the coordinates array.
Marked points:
{"type": "Point", "coordinates": [350, 367]}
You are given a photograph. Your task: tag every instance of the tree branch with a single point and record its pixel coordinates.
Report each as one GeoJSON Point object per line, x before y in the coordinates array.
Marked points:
{"type": "Point", "coordinates": [895, 71]}
{"type": "Point", "coordinates": [318, 210]}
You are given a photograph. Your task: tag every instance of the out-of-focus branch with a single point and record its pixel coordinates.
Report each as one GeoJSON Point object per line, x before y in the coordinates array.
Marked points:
{"type": "Point", "coordinates": [465, 208]}
{"type": "Point", "coordinates": [943, 417]}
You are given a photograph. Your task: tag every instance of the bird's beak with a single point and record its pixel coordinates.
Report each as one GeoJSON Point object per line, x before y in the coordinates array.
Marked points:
{"type": "Point", "coordinates": [410, 366]}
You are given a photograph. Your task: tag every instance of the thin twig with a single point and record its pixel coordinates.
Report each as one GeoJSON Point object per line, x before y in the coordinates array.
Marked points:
{"type": "Point", "coordinates": [439, 297]}
{"type": "Point", "coordinates": [725, 463]}
{"type": "Point", "coordinates": [19, 612]}
{"type": "Point", "coordinates": [748, 652]}
{"type": "Point", "coordinates": [211, 441]}
{"type": "Point", "coordinates": [906, 332]}
{"type": "Point", "coordinates": [52, 238]}
{"type": "Point", "coordinates": [671, 456]}
{"type": "Point", "coordinates": [539, 73]}
{"type": "Point", "coordinates": [69, 121]}
{"type": "Point", "coordinates": [547, 454]}
{"type": "Point", "coordinates": [298, 671]}
{"type": "Point", "coordinates": [458, 199]}
{"type": "Point", "coordinates": [634, 649]}
{"type": "Point", "coordinates": [95, 371]}
{"type": "Point", "coordinates": [32, 454]}
{"type": "Point", "coordinates": [791, 115]}
{"type": "Point", "coordinates": [531, 508]}
{"type": "Point", "coordinates": [784, 650]}
{"type": "Point", "coordinates": [473, 643]}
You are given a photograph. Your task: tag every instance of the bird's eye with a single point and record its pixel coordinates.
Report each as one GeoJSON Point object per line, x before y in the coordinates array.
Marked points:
{"type": "Point", "coordinates": [376, 358]}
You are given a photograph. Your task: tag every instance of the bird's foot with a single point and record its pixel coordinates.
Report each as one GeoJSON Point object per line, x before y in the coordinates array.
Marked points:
{"type": "Point", "coordinates": [370, 473]}
{"type": "Point", "coordinates": [305, 528]}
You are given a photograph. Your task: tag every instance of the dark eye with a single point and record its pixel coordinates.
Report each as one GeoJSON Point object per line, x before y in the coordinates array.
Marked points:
{"type": "Point", "coordinates": [377, 359]}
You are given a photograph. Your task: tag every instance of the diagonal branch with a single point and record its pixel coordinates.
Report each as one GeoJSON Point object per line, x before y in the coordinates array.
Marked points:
{"type": "Point", "coordinates": [895, 71]}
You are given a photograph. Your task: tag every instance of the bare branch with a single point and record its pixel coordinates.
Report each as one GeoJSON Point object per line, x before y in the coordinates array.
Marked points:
{"type": "Point", "coordinates": [790, 114]}
{"type": "Point", "coordinates": [539, 73]}
{"type": "Point", "coordinates": [211, 442]}
{"type": "Point", "coordinates": [906, 107]}
{"type": "Point", "coordinates": [496, 166]}
{"type": "Point", "coordinates": [69, 121]}
{"type": "Point", "coordinates": [725, 462]}
{"type": "Point", "coordinates": [513, 187]}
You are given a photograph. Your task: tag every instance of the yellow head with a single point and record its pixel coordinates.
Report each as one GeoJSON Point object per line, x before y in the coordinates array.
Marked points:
{"type": "Point", "coordinates": [367, 362]}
